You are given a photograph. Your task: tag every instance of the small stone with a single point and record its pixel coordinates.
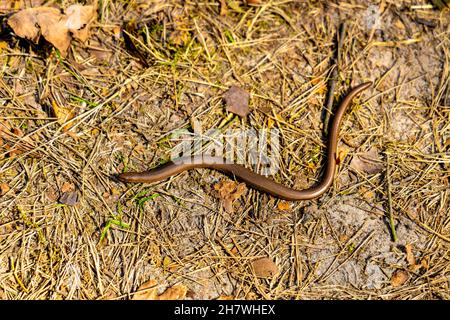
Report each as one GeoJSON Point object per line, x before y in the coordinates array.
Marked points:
{"type": "Point", "coordinates": [237, 100]}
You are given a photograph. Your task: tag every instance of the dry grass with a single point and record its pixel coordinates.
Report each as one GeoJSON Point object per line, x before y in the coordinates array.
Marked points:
{"type": "Point", "coordinates": [338, 246]}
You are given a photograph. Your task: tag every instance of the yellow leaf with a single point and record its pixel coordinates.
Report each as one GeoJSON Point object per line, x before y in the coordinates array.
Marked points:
{"type": "Point", "coordinates": [63, 115]}
{"type": "Point", "coordinates": [342, 154]}
{"type": "Point", "coordinates": [311, 165]}
{"type": "Point", "coordinates": [283, 205]}
{"type": "Point", "coordinates": [167, 263]}
{"type": "Point", "coordinates": [3, 45]}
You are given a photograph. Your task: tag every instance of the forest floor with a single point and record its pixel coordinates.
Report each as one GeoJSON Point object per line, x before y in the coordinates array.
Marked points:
{"type": "Point", "coordinates": [70, 230]}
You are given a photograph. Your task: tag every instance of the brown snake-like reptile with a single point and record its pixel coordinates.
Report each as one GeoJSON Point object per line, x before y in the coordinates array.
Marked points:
{"type": "Point", "coordinates": [256, 180]}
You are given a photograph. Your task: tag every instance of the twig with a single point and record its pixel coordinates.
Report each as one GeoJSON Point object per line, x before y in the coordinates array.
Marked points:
{"type": "Point", "coordinates": [389, 195]}
{"type": "Point", "coordinates": [334, 77]}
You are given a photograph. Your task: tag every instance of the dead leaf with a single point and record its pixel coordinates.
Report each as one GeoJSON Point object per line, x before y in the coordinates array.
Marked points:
{"type": "Point", "coordinates": [79, 20]}
{"type": "Point", "coordinates": [9, 5]}
{"type": "Point", "coordinates": [17, 131]}
{"type": "Point", "coordinates": [179, 38]}
{"type": "Point", "coordinates": [51, 195]}
{"type": "Point", "coordinates": [14, 140]}
{"type": "Point", "coordinates": [168, 264]}
{"type": "Point", "coordinates": [63, 115]}
{"type": "Point", "coordinates": [424, 263]}
{"type": "Point", "coordinates": [149, 291]}
{"type": "Point", "coordinates": [69, 198]}
{"type": "Point", "coordinates": [409, 255]}
{"type": "Point", "coordinates": [225, 298]}
{"type": "Point", "coordinates": [117, 31]}
{"type": "Point", "coordinates": [223, 8]}
{"type": "Point", "coordinates": [55, 27]}
{"type": "Point", "coordinates": [67, 186]}
{"type": "Point", "coordinates": [368, 162]}
{"type": "Point", "coordinates": [283, 205]}
{"type": "Point", "coordinates": [399, 277]}
{"type": "Point", "coordinates": [367, 193]}
{"type": "Point", "coordinates": [447, 143]}
{"type": "Point", "coordinates": [341, 155]}
{"type": "Point", "coordinates": [237, 101]}
{"type": "Point", "coordinates": [253, 1]}
{"type": "Point", "coordinates": [229, 191]}
{"type": "Point", "coordinates": [3, 46]}
{"type": "Point", "coordinates": [49, 22]}
{"type": "Point", "coordinates": [101, 55]}
{"type": "Point", "coordinates": [235, 5]}
{"type": "Point", "coordinates": [264, 268]}
{"type": "Point", "coordinates": [4, 188]}
{"type": "Point", "coordinates": [177, 292]}
{"type": "Point", "coordinates": [412, 264]}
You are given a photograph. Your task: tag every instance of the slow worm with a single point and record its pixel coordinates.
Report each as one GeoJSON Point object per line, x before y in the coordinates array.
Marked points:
{"type": "Point", "coordinates": [251, 178]}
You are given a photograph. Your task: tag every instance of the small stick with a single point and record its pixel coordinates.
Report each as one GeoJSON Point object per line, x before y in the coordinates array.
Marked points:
{"type": "Point", "coordinates": [334, 77]}
{"type": "Point", "coordinates": [389, 194]}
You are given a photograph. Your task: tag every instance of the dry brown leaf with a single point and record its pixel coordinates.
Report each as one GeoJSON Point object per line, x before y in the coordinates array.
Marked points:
{"type": "Point", "coordinates": [253, 1]}
{"type": "Point", "coordinates": [229, 191]}
{"type": "Point", "coordinates": [147, 291]}
{"type": "Point", "coordinates": [424, 263]}
{"type": "Point", "coordinates": [177, 292]}
{"type": "Point", "coordinates": [49, 22]}
{"type": "Point", "coordinates": [79, 20]}
{"type": "Point", "coordinates": [223, 8]}
{"type": "Point", "coordinates": [283, 205]}
{"type": "Point", "coordinates": [4, 188]}
{"type": "Point", "coordinates": [412, 264]}
{"type": "Point", "coordinates": [14, 140]}
{"type": "Point", "coordinates": [67, 186]}
{"type": "Point", "coordinates": [55, 27]}
{"type": "Point", "coordinates": [409, 255]}
{"type": "Point", "coordinates": [3, 46]}
{"type": "Point", "coordinates": [9, 5]}
{"type": "Point", "coordinates": [368, 162]}
{"type": "Point", "coordinates": [237, 100]}
{"type": "Point", "coordinates": [225, 298]}
{"type": "Point", "coordinates": [399, 25]}
{"type": "Point", "coordinates": [168, 264]}
{"type": "Point", "coordinates": [69, 198]}
{"type": "Point", "coordinates": [343, 237]}
{"type": "Point", "coordinates": [264, 268]}
{"type": "Point", "coordinates": [341, 155]}
{"type": "Point", "coordinates": [51, 195]}
{"type": "Point", "coordinates": [367, 193]}
{"type": "Point", "coordinates": [399, 277]}
{"type": "Point", "coordinates": [63, 115]}
{"type": "Point", "coordinates": [101, 55]}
